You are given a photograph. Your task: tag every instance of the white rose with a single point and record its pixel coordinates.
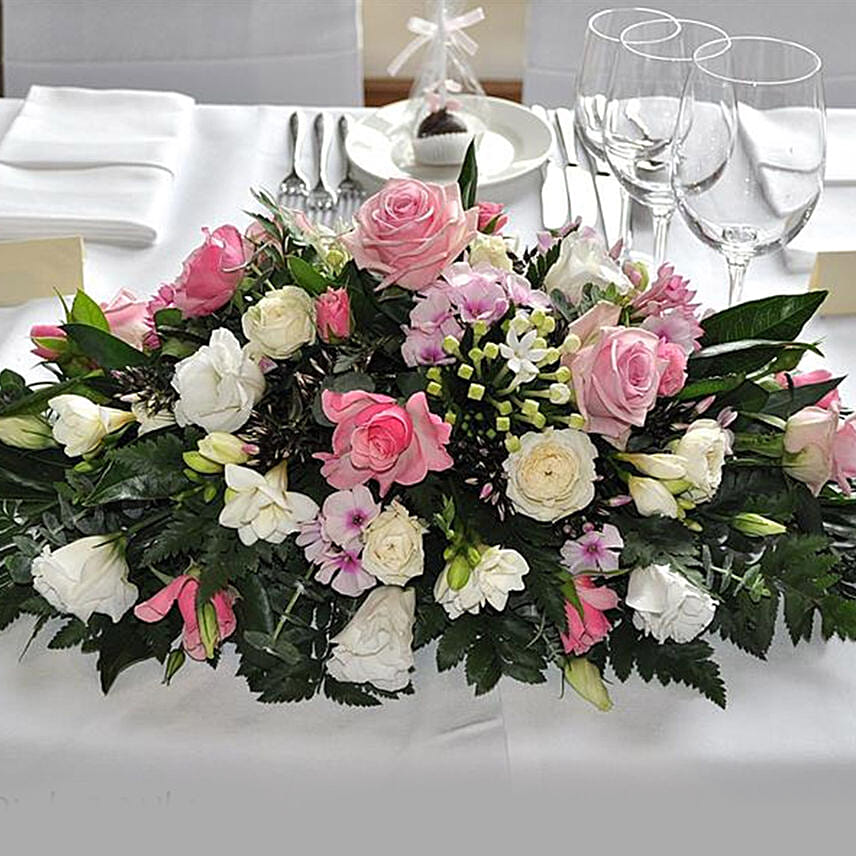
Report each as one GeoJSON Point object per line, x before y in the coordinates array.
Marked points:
{"type": "Point", "coordinates": [667, 604]}
{"type": "Point", "coordinates": [376, 645]}
{"type": "Point", "coordinates": [652, 498]}
{"type": "Point", "coordinates": [261, 508]}
{"type": "Point", "coordinates": [218, 385]}
{"type": "Point", "coordinates": [583, 259]}
{"type": "Point", "coordinates": [552, 474]}
{"type": "Point", "coordinates": [280, 323]}
{"type": "Point", "coordinates": [393, 546]}
{"type": "Point", "coordinates": [498, 573]}
{"type": "Point", "coordinates": [26, 432]}
{"type": "Point", "coordinates": [703, 448]}
{"type": "Point", "coordinates": [82, 424]}
{"type": "Point", "coordinates": [89, 575]}
{"type": "Point", "coordinates": [489, 249]}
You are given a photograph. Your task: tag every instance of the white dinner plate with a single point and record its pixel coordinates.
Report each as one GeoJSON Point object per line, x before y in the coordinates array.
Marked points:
{"type": "Point", "coordinates": [511, 142]}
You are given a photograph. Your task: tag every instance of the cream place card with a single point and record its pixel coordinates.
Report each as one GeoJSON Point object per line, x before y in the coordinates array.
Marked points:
{"type": "Point", "coordinates": [836, 272]}
{"type": "Point", "coordinates": [40, 268]}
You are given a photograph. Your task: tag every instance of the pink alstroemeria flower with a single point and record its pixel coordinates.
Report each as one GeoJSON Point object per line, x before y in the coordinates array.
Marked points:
{"type": "Point", "coordinates": [588, 630]}
{"type": "Point", "coordinates": [183, 589]}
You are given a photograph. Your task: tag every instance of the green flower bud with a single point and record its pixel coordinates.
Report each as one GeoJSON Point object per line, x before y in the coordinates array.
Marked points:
{"type": "Point", "coordinates": [434, 373]}
{"type": "Point", "coordinates": [473, 556]}
{"type": "Point", "coordinates": [26, 432]}
{"type": "Point", "coordinates": [512, 443]}
{"type": "Point", "coordinates": [552, 356]}
{"type": "Point", "coordinates": [491, 350]}
{"type": "Point", "coordinates": [458, 572]}
{"type": "Point", "coordinates": [209, 630]}
{"type": "Point", "coordinates": [465, 371]}
{"type": "Point", "coordinates": [756, 524]}
{"type": "Point", "coordinates": [549, 324]}
{"type": "Point", "coordinates": [476, 391]}
{"type": "Point", "coordinates": [209, 493]}
{"type": "Point", "coordinates": [584, 677]}
{"type": "Point", "coordinates": [480, 329]}
{"type": "Point", "coordinates": [434, 389]}
{"type": "Point", "coordinates": [529, 407]}
{"type": "Point", "coordinates": [571, 344]}
{"type": "Point", "coordinates": [539, 343]}
{"type": "Point", "coordinates": [504, 407]}
{"type": "Point", "coordinates": [200, 464]}
{"type": "Point", "coordinates": [577, 421]}
{"type": "Point", "coordinates": [559, 393]}
{"type": "Point", "coordinates": [223, 448]}
{"type": "Point", "coordinates": [563, 374]}
{"type": "Point", "coordinates": [451, 346]}
{"type": "Point", "coordinates": [503, 423]}
{"type": "Point", "coordinates": [538, 317]}
{"type": "Point", "coordinates": [451, 417]}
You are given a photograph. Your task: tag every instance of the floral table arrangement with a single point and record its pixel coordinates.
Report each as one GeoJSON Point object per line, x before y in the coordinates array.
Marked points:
{"type": "Point", "coordinates": [332, 449]}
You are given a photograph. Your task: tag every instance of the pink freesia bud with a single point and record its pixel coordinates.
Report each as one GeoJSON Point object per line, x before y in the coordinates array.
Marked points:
{"type": "Point", "coordinates": [618, 501]}
{"type": "Point", "coordinates": [726, 416]}
{"type": "Point", "coordinates": [50, 341]}
{"type": "Point", "coordinates": [333, 315]}
{"type": "Point", "coordinates": [490, 212]}
{"type": "Point", "coordinates": [704, 404]}
{"type": "Point", "coordinates": [250, 449]}
{"type": "Point", "coordinates": [486, 491]}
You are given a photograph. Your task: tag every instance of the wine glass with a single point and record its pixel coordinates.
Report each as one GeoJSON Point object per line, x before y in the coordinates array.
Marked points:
{"type": "Point", "coordinates": [750, 148]}
{"type": "Point", "coordinates": [646, 85]}
{"type": "Point", "coordinates": [602, 42]}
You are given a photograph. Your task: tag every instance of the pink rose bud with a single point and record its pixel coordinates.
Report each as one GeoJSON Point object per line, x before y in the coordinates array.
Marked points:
{"type": "Point", "coordinates": [410, 231]}
{"type": "Point", "coordinates": [333, 315]}
{"type": "Point", "coordinates": [491, 212]}
{"type": "Point", "coordinates": [50, 341]}
{"type": "Point", "coordinates": [211, 273]}
{"type": "Point", "coordinates": [127, 317]}
{"type": "Point", "coordinates": [675, 373]}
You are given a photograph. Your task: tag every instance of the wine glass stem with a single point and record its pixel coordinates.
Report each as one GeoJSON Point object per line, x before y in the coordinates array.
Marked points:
{"type": "Point", "coordinates": [625, 224]}
{"type": "Point", "coordinates": [736, 272]}
{"type": "Point", "coordinates": [662, 218]}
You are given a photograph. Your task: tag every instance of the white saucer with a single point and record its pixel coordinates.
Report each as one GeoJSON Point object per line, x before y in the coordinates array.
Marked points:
{"type": "Point", "coordinates": [513, 142]}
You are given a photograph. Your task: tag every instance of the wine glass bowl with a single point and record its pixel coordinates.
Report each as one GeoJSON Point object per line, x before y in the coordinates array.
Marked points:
{"type": "Point", "coordinates": [749, 150]}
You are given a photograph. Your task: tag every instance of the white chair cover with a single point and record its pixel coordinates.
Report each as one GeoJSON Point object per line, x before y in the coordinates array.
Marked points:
{"type": "Point", "coordinates": [223, 51]}
{"type": "Point", "coordinates": [556, 29]}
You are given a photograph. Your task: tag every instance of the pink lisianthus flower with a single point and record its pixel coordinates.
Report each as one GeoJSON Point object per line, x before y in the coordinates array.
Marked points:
{"type": "Point", "coordinates": [476, 292]}
{"type": "Point", "coordinates": [593, 551]}
{"type": "Point", "coordinates": [333, 315]}
{"type": "Point", "coordinates": [431, 320]}
{"type": "Point", "coordinates": [183, 589]}
{"type": "Point", "coordinates": [521, 293]}
{"type": "Point", "coordinates": [492, 212]}
{"type": "Point", "coordinates": [675, 373]}
{"type": "Point", "coordinates": [211, 273]}
{"type": "Point", "coordinates": [616, 379]}
{"type": "Point", "coordinates": [809, 440]}
{"type": "Point", "coordinates": [127, 316]}
{"type": "Point", "coordinates": [844, 454]}
{"type": "Point", "coordinates": [588, 629]}
{"type": "Point", "coordinates": [425, 349]}
{"type": "Point", "coordinates": [830, 400]}
{"type": "Point", "coordinates": [346, 514]}
{"type": "Point", "coordinates": [49, 339]}
{"type": "Point", "coordinates": [377, 438]}
{"type": "Point", "coordinates": [410, 231]}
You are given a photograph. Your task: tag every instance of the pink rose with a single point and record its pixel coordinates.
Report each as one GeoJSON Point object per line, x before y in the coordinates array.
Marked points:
{"type": "Point", "coordinates": [675, 373]}
{"type": "Point", "coordinates": [844, 454]}
{"type": "Point", "coordinates": [410, 231]}
{"type": "Point", "coordinates": [211, 273]}
{"type": "Point", "coordinates": [588, 630]}
{"type": "Point", "coordinates": [50, 341]}
{"type": "Point", "coordinates": [809, 440]}
{"type": "Point", "coordinates": [333, 314]}
{"type": "Point", "coordinates": [184, 589]}
{"type": "Point", "coordinates": [616, 380]}
{"type": "Point", "coordinates": [376, 438]}
{"type": "Point", "coordinates": [829, 400]}
{"type": "Point", "coordinates": [127, 315]}
{"type": "Point", "coordinates": [490, 212]}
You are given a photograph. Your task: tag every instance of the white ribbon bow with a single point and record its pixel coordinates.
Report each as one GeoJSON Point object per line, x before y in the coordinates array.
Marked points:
{"type": "Point", "coordinates": [425, 31]}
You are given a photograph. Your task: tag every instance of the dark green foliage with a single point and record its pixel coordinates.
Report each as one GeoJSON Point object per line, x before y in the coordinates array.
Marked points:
{"type": "Point", "coordinates": [468, 178]}
{"type": "Point", "coordinates": [70, 634]}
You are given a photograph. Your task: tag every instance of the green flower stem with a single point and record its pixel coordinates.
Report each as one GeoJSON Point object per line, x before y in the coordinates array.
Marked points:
{"type": "Point", "coordinates": [295, 596]}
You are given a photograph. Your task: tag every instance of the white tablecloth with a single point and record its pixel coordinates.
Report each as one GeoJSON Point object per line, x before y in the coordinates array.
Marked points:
{"type": "Point", "coordinates": [790, 723]}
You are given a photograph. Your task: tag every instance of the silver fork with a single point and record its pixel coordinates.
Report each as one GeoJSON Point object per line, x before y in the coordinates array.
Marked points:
{"type": "Point", "coordinates": [351, 192]}
{"type": "Point", "coordinates": [320, 198]}
{"type": "Point", "coordinates": [293, 190]}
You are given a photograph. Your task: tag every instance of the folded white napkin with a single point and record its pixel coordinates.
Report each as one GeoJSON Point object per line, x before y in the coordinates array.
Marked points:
{"type": "Point", "coordinates": [95, 163]}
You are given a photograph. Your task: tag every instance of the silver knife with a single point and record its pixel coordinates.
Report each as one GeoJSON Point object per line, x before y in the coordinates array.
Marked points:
{"type": "Point", "coordinates": [555, 204]}
{"type": "Point", "coordinates": [599, 192]}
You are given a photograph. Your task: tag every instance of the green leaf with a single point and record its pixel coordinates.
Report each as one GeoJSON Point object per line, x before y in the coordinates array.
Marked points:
{"type": "Point", "coordinates": [85, 310]}
{"type": "Point", "coordinates": [306, 276]}
{"type": "Point", "coordinates": [254, 604]}
{"type": "Point", "coordinates": [174, 662]}
{"type": "Point", "coordinates": [483, 666]}
{"type": "Point", "coordinates": [71, 634]}
{"type": "Point", "coordinates": [709, 386]}
{"type": "Point", "coordinates": [103, 348]}
{"type": "Point", "coordinates": [350, 695]}
{"type": "Point", "coordinates": [468, 177]}
{"type": "Point", "coordinates": [781, 318]}
{"type": "Point", "coordinates": [741, 357]}
{"type": "Point", "coordinates": [786, 402]}
{"type": "Point", "coordinates": [37, 401]}
{"type": "Point", "coordinates": [280, 648]}
{"type": "Point", "coordinates": [456, 641]}
{"type": "Point", "coordinates": [747, 624]}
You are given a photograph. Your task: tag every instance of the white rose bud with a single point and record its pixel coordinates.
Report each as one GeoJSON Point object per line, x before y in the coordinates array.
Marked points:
{"type": "Point", "coordinates": [280, 323]}
{"type": "Point", "coordinates": [667, 604]}
{"type": "Point", "coordinates": [26, 432]}
{"type": "Point", "coordinates": [489, 249]}
{"type": "Point", "coordinates": [89, 575]}
{"type": "Point", "coordinates": [376, 645]}
{"type": "Point", "coordinates": [218, 385]}
{"type": "Point", "coordinates": [82, 424]}
{"type": "Point", "coordinates": [652, 498]}
{"type": "Point", "coordinates": [393, 546]}
{"type": "Point", "coordinates": [703, 449]}
{"type": "Point", "coordinates": [552, 474]}
{"type": "Point", "coordinates": [584, 259]}
{"type": "Point", "coordinates": [658, 465]}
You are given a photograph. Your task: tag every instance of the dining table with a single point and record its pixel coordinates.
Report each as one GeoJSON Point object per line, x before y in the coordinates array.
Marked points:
{"type": "Point", "coordinates": [790, 724]}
